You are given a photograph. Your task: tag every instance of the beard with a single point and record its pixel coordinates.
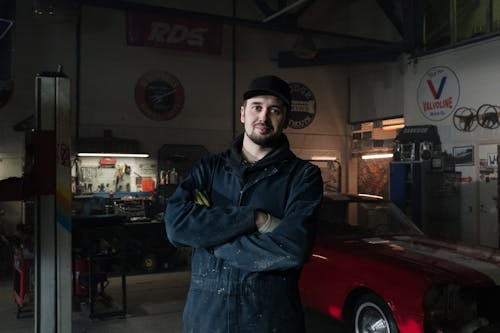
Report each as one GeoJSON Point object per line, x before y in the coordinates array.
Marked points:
{"type": "Point", "coordinates": [268, 141]}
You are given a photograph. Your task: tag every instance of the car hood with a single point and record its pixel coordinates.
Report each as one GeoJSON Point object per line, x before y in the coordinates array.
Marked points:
{"type": "Point", "coordinates": [439, 261]}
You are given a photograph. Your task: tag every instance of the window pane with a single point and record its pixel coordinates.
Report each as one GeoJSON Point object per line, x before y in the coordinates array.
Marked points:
{"type": "Point", "coordinates": [495, 10]}
{"type": "Point", "coordinates": [471, 18]}
{"type": "Point", "coordinates": [437, 24]}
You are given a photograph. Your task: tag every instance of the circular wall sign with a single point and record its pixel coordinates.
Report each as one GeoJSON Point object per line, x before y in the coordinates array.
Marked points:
{"type": "Point", "coordinates": [303, 106]}
{"type": "Point", "coordinates": [159, 95]}
{"type": "Point", "coordinates": [438, 93]}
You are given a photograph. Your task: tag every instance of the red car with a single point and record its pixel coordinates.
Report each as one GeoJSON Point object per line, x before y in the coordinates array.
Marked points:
{"type": "Point", "coordinates": [375, 270]}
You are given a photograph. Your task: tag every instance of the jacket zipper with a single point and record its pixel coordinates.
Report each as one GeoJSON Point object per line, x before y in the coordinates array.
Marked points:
{"type": "Point", "coordinates": [248, 186]}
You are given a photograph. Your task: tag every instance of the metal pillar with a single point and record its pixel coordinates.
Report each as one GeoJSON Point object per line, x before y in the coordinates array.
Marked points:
{"type": "Point", "coordinates": [52, 181]}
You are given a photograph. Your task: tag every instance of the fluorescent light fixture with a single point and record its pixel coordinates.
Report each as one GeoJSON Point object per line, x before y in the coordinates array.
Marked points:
{"type": "Point", "coordinates": [323, 158]}
{"type": "Point", "coordinates": [111, 155]}
{"type": "Point", "coordinates": [370, 196]}
{"type": "Point", "coordinates": [373, 156]}
{"type": "Point", "coordinates": [393, 124]}
{"type": "Point", "coordinates": [392, 127]}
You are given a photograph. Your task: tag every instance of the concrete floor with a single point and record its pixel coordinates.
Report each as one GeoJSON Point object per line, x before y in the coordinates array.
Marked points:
{"type": "Point", "coordinates": [154, 304]}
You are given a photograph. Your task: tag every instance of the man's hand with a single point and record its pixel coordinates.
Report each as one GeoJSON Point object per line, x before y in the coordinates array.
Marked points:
{"type": "Point", "coordinates": [201, 198]}
{"type": "Point", "coordinates": [265, 222]}
{"type": "Point", "coordinates": [260, 218]}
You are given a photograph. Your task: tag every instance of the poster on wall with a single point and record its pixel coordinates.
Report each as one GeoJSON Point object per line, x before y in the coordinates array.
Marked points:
{"type": "Point", "coordinates": [373, 176]}
{"type": "Point", "coordinates": [488, 163]}
{"type": "Point", "coordinates": [330, 173]}
{"type": "Point", "coordinates": [463, 155]}
{"type": "Point", "coordinates": [438, 93]}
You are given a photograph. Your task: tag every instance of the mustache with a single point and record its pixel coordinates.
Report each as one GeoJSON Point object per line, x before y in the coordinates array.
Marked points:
{"type": "Point", "coordinates": [267, 125]}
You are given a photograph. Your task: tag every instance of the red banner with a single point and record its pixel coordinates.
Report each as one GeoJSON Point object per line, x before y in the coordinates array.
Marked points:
{"type": "Point", "coordinates": [154, 30]}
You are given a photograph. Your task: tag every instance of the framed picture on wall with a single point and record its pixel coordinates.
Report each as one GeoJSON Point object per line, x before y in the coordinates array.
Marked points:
{"type": "Point", "coordinates": [330, 172]}
{"type": "Point", "coordinates": [463, 155]}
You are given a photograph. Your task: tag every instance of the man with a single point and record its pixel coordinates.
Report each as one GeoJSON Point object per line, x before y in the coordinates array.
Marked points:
{"type": "Point", "coordinates": [248, 214]}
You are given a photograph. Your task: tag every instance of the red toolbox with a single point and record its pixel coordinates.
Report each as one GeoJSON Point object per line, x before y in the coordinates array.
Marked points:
{"type": "Point", "coordinates": [23, 282]}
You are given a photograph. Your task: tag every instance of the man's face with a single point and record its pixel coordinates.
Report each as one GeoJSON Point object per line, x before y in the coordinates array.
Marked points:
{"type": "Point", "coordinates": [264, 118]}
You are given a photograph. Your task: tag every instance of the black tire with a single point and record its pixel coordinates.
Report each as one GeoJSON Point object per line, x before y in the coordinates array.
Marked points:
{"type": "Point", "coordinates": [372, 315]}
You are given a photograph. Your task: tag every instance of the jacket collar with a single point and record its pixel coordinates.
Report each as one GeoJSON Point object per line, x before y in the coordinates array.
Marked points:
{"type": "Point", "coordinates": [280, 153]}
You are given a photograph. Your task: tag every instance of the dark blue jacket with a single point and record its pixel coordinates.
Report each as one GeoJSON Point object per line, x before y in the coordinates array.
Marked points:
{"type": "Point", "coordinates": [243, 280]}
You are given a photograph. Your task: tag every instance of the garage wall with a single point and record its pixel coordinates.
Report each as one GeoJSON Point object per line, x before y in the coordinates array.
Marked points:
{"type": "Point", "coordinates": [376, 89]}
{"type": "Point", "coordinates": [389, 89]}
{"type": "Point", "coordinates": [477, 68]}
{"type": "Point", "coordinates": [41, 43]}
{"type": "Point", "coordinates": [110, 69]}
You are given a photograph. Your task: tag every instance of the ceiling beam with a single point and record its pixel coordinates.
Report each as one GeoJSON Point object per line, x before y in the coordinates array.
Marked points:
{"type": "Point", "coordinates": [335, 56]}
{"type": "Point", "coordinates": [283, 10]}
{"type": "Point", "coordinates": [126, 5]}
{"type": "Point", "coordinates": [387, 7]}
{"type": "Point", "coordinates": [413, 12]}
{"type": "Point", "coordinates": [408, 23]}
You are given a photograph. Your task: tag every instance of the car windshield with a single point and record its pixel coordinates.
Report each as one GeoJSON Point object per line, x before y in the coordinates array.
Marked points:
{"type": "Point", "coordinates": [370, 218]}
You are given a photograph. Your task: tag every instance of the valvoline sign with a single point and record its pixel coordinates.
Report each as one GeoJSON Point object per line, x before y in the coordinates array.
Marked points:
{"type": "Point", "coordinates": [438, 93]}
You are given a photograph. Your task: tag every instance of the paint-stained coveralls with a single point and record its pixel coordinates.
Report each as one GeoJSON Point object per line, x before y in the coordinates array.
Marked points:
{"type": "Point", "coordinates": [243, 280]}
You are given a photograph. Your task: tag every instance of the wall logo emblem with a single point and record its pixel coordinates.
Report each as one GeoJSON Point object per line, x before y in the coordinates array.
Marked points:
{"type": "Point", "coordinates": [438, 93]}
{"type": "Point", "coordinates": [159, 95]}
{"type": "Point", "coordinates": [303, 106]}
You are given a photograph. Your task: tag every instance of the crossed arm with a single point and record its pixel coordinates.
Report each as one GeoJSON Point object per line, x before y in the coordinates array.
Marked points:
{"type": "Point", "coordinates": [232, 232]}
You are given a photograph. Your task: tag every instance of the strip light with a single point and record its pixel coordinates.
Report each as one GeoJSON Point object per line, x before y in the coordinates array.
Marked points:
{"type": "Point", "coordinates": [373, 156]}
{"type": "Point", "coordinates": [370, 196]}
{"type": "Point", "coordinates": [323, 158]}
{"type": "Point", "coordinates": [393, 124]}
{"type": "Point", "coordinates": [392, 127]}
{"type": "Point", "coordinates": [111, 155]}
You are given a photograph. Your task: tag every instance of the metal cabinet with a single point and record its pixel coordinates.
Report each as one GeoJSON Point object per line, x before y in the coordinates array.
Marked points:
{"type": "Point", "coordinates": [428, 196]}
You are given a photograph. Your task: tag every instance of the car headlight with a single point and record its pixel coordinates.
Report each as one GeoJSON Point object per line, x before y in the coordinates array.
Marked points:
{"type": "Point", "coordinates": [452, 308]}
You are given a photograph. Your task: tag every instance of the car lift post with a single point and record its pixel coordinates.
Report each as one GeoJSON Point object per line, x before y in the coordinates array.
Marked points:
{"type": "Point", "coordinates": [52, 192]}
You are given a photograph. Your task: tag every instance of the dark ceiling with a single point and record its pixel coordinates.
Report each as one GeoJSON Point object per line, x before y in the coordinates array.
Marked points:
{"type": "Point", "coordinates": [285, 17]}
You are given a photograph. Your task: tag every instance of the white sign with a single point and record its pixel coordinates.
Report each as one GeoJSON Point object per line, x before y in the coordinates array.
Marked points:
{"type": "Point", "coordinates": [438, 93]}
{"type": "Point", "coordinates": [492, 160]}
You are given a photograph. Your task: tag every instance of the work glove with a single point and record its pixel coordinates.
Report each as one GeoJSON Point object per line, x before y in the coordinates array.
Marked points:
{"type": "Point", "coordinates": [270, 224]}
{"type": "Point", "coordinates": [201, 198]}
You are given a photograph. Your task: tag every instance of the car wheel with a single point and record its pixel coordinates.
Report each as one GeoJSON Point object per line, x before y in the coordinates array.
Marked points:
{"type": "Point", "coordinates": [372, 315]}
